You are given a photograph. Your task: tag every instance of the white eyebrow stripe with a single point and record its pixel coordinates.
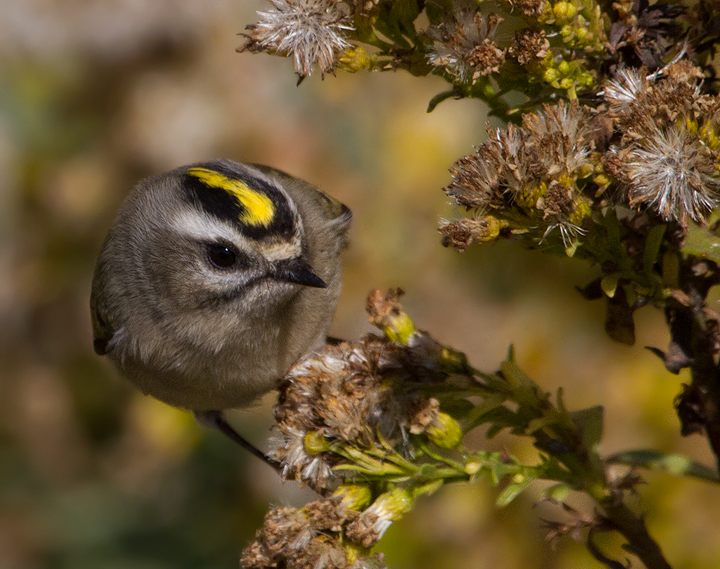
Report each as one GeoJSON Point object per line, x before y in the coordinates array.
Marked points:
{"type": "Point", "coordinates": [283, 251]}
{"type": "Point", "coordinates": [202, 227]}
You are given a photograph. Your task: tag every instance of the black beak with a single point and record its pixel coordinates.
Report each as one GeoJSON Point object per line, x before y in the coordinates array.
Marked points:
{"type": "Point", "coordinates": [298, 271]}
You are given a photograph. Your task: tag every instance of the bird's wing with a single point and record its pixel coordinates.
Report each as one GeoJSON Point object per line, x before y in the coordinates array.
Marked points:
{"type": "Point", "coordinates": [103, 329]}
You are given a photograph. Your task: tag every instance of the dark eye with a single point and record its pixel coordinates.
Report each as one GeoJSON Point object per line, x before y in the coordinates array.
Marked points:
{"type": "Point", "coordinates": [221, 256]}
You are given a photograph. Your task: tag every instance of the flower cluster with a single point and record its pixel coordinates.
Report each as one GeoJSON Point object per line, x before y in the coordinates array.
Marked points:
{"type": "Point", "coordinates": [329, 533]}
{"type": "Point", "coordinates": [526, 179]}
{"type": "Point", "coordinates": [347, 417]}
{"type": "Point", "coordinates": [365, 412]}
{"type": "Point", "coordinates": [366, 395]}
{"type": "Point", "coordinates": [465, 46]}
{"type": "Point", "coordinates": [656, 144]}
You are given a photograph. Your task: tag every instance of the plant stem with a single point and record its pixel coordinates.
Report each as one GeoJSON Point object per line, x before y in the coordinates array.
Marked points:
{"type": "Point", "coordinates": [632, 527]}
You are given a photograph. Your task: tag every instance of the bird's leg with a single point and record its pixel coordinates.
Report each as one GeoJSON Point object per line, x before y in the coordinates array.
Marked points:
{"type": "Point", "coordinates": [216, 420]}
{"type": "Point", "coordinates": [333, 341]}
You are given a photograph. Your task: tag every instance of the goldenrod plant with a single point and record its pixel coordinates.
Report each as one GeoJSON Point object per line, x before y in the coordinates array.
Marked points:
{"type": "Point", "coordinates": [611, 154]}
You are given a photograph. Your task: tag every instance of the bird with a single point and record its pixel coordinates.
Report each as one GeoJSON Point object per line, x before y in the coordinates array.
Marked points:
{"type": "Point", "coordinates": [215, 278]}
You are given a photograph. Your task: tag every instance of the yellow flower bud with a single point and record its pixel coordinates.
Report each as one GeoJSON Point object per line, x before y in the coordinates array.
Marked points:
{"type": "Point", "coordinates": [315, 443]}
{"type": "Point", "coordinates": [584, 171]}
{"type": "Point", "coordinates": [392, 505]}
{"type": "Point", "coordinates": [564, 10]}
{"type": "Point", "coordinates": [401, 329]}
{"type": "Point", "coordinates": [566, 31]}
{"type": "Point", "coordinates": [551, 74]}
{"type": "Point", "coordinates": [602, 180]}
{"type": "Point", "coordinates": [355, 59]}
{"type": "Point", "coordinates": [491, 228]}
{"type": "Point", "coordinates": [354, 496]}
{"type": "Point", "coordinates": [445, 432]}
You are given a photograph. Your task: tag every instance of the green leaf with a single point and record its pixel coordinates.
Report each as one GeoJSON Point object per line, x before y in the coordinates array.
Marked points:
{"type": "Point", "coordinates": [676, 464]}
{"type": "Point", "coordinates": [609, 284]}
{"type": "Point", "coordinates": [612, 226]}
{"type": "Point", "coordinates": [477, 415]}
{"type": "Point", "coordinates": [494, 430]}
{"type": "Point", "coordinates": [499, 417]}
{"type": "Point", "coordinates": [652, 247]}
{"type": "Point", "coordinates": [558, 492]}
{"type": "Point", "coordinates": [511, 492]}
{"type": "Point", "coordinates": [590, 424]}
{"type": "Point", "coordinates": [515, 376]}
{"type": "Point", "coordinates": [701, 242]}
{"type": "Point", "coordinates": [437, 9]}
{"type": "Point", "coordinates": [427, 488]}
{"type": "Point", "coordinates": [455, 92]}
{"type": "Point", "coordinates": [524, 390]}
{"type": "Point", "coordinates": [560, 403]}
{"type": "Point", "coordinates": [395, 20]}
{"type": "Point", "coordinates": [570, 249]}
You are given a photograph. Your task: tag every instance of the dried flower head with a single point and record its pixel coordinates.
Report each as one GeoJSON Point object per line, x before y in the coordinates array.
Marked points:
{"type": "Point", "coordinates": [311, 31]}
{"type": "Point", "coordinates": [530, 8]}
{"type": "Point", "coordinates": [465, 45]}
{"type": "Point", "coordinates": [529, 45]}
{"type": "Point", "coordinates": [670, 171]}
{"type": "Point", "coordinates": [464, 232]}
{"type": "Point", "coordinates": [364, 8]}
{"type": "Point", "coordinates": [640, 104]}
{"type": "Point", "coordinates": [625, 89]}
{"type": "Point", "coordinates": [666, 158]}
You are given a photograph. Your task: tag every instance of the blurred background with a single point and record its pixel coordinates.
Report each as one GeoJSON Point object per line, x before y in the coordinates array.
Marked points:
{"type": "Point", "coordinates": [94, 96]}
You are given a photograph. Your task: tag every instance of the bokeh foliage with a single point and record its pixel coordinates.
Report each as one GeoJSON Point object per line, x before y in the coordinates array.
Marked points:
{"type": "Point", "coordinates": [96, 95]}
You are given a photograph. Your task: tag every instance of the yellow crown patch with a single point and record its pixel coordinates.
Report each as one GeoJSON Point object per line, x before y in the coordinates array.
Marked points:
{"type": "Point", "coordinates": [258, 209]}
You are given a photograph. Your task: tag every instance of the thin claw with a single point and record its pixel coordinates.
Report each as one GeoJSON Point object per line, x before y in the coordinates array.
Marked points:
{"type": "Point", "coordinates": [216, 420]}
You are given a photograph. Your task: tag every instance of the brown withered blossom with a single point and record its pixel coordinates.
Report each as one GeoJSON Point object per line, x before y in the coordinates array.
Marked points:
{"type": "Point", "coordinates": [529, 45]}
{"type": "Point", "coordinates": [670, 171]}
{"type": "Point", "coordinates": [640, 104]}
{"type": "Point", "coordinates": [530, 8]}
{"type": "Point", "coordinates": [364, 8]}
{"type": "Point", "coordinates": [644, 32]}
{"type": "Point", "coordinates": [310, 31]}
{"type": "Point", "coordinates": [529, 171]}
{"type": "Point", "coordinates": [309, 538]}
{"type": "Point", "coordinates": [625, 89]}
{"type": "Point", "coordinates": [667, 155]}
{"type": "Point", "coordinates": [464, 232]}
{"type": "Point", "coordinates": [465, 45]}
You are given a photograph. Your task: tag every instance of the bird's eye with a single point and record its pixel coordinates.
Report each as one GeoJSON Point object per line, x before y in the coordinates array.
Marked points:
{"type": "Point", "coordinates": [221, 256]}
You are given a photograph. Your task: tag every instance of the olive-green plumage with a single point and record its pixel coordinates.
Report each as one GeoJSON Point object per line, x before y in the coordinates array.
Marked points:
{"type": "Point", "coordinates": [215, 279]}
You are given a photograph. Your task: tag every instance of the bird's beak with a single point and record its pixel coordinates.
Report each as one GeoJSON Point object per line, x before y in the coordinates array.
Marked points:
{"type": "Point", "coordinates": [298, 271]}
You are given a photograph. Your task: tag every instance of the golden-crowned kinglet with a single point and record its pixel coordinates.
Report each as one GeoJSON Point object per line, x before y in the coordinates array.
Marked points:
{"type": "Point", "coordinates": [215, 279]}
